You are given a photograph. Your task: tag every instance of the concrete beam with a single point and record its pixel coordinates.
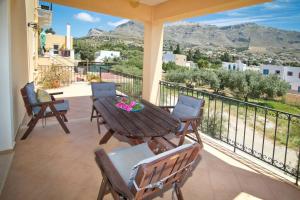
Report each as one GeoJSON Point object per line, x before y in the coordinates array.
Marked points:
{"type": "Point", "coordinates": [119, 8]}
{"type": "Point", "coordinates": [174, 10]}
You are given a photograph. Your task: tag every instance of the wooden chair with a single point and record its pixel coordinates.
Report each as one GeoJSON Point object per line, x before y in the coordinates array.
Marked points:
{"type": "Point", "coordinates": [37, 110]}
{"type": "Point", "coordinates": [137, 173]}
{"type": "Point", "coordinates": [189, 111]}
{"type": "Point", "coordinates": [101, 90]}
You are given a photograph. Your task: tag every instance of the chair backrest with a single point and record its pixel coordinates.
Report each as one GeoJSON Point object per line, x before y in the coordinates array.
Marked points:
{"type": "Point", "coordinates": [164, 169]}
{"type": "Point", "coordinates": [29, 97]}
{"type": "Point", "coordinates": [188, 106]}
{"type": "Point", "coordinates": [103, 90]}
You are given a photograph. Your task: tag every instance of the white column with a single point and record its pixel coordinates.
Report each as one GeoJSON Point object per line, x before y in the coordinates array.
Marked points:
{"type": "Point", "coordinates": [6, 107]}
{"type": "Point", "coordinates": [152, 66]}
{"type": "Point", "coordinates": [68, 42]}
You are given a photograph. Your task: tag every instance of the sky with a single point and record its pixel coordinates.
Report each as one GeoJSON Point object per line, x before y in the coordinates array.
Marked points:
{"type": "Point", "coordinates": [282, 14]}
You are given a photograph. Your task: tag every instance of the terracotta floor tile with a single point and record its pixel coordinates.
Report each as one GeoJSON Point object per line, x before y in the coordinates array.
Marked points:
{"type": "Point", "coordinates": [50, 164]}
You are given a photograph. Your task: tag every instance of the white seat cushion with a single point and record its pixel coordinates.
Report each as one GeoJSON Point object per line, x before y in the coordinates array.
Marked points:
{"type": "Point", "coordinates": [125, 159]}
{"type": "Point", "coordinates": [128, 160]}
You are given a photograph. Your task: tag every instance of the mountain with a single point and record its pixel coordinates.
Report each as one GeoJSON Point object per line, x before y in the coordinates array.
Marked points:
{"type": "Point", "coordinates": [95, 32]}
{"type": "Point", "coordinates": [248, 36]}
{"type": "Point", "coordinates": [129, 29]}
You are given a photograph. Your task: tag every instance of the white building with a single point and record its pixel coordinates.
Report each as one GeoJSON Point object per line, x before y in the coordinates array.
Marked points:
{"type": "Point", "coordinates": [287, 73]}
{"type": "Point", "coordinates": [100, 56]}
{"type": "Point", "coordinates": [190, 64]}
{"type": "Point", "coordinates": [178, 59]}
{"type": "Point", "coordinates": [238, 66]}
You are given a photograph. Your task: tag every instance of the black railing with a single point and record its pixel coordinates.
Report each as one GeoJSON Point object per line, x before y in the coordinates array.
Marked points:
{"type": "Point", "coordinates": [56, 76]}
{"type": "Point", "coordinates": [267, 134]}
{"type": "Point", "coordinates": [128, 84]}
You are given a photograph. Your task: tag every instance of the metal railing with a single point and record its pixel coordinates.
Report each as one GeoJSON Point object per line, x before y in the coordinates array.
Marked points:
{"type": "Point", "coordinates": [267, 134]}
{"type": "Point", "coordinates": [56, 76]}
{"type": "Point", "coordinates": [128, 84]}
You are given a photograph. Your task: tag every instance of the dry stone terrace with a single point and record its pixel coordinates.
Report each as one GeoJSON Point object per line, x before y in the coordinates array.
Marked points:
{"type": "Point", "coordinates": [52, 165]}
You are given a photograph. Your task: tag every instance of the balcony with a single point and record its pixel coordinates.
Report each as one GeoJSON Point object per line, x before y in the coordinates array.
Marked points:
{"type": "Point", "coordinates": [49, 157]}
{"type": "Point", "coordinates": [53, 165]}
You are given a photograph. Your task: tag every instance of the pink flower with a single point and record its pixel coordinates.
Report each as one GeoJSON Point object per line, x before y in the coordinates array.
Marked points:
{"type": "Point", "coordinates": [124, 106]}
{"type": "Point", "coordinates": [132, 104]}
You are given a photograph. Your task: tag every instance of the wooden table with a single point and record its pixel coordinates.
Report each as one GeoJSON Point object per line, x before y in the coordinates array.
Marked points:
{"type": "Point", "coordinates": [151, 122]}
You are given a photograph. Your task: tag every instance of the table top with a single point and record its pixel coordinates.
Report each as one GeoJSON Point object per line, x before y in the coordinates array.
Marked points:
{"type": "Point", "coordinates": [152, 121]}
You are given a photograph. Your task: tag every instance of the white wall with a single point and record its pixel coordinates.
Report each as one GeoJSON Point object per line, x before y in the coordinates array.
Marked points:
{"type": "Point", "coordinates": [101, 55]}
{"type": "Point", "coordinates": [14, 67]}
{"type": "Point", "coordinates": [239, 66]}
{"type": "Point", "coordinates": [6, 103]}
{"type": "Point", "coordinates": [293, 80]}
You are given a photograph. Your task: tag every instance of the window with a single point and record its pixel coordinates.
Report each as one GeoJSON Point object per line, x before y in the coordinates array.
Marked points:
{"type": "Point", "coordinates": [233, 67]}
{"type": "Point", "coordinates": [229, 67]}
{"type": "Point", "coordinates": [277, 72]}
{"type": "Point", "coordinates": [289, 73]}
{"type": "Point", "coordinates": [265, 72]}
{"type": "Point", "coordinates": [55, 48]}
{"type": "Point", "coordinates": [298, 89]}
{"type": "Point", "coordinates": [299, 75]}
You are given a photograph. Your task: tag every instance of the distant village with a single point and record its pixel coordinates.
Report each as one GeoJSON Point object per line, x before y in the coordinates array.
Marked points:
{"type": "Point", "coordinates": [62, 47]}
{"type": "Point", "coordinates": [287, 73]}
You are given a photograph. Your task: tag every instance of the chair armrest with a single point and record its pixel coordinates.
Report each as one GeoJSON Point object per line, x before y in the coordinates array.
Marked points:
{"type": "Point", "coordinates": [119, 95]}
{"type": "Point", "coordinates": [48, 103]}
{"type": "Point", "coordinates": [167, 107]}
{"type": "Point", "coordinates": [55, 93]}
{"type": "Point", "coordinates": [109, 170]}
{"type": "Point", "coordinates": [185, 119]}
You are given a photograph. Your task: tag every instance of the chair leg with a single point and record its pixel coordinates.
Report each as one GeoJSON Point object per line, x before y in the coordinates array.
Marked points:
{"type": "Point", "coordinates": [29, 122]}
{"type": "Point", "coordinates": [197, 134]}
{"type": "Point", "coordinates": [64, 118]}
{"type": "Point", "coordinates": [59, 119]}
{"type": "Point", "coordinates": [98, 123]}
{"type": "Point", "coordinates": [181, 140]}
{"type": "Point", "coordinates": [33, 122]}
{"type": "Point", "coordinates": [178, 192]}
{"type": "Point", "coordinates": [103, 188]}
{"type": "Point", "coordinates": [183, 133]}
{"type": "Point", "coordinates": [106, 137]}
{"type": "Point", "coordinates": [92, 114]}
{"type": "Point", "coordinates": [31, 125]}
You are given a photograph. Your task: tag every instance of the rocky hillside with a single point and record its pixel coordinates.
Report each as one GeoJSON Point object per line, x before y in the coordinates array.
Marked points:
{"type": "Point", "coordinates": [195, 34]}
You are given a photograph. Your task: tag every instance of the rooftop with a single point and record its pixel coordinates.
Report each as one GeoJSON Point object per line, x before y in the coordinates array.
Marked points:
{"type": "Point", "coordinates": [52, 165]}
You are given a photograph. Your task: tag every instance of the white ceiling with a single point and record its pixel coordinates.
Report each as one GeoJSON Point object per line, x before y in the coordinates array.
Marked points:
{"type": "Point", "coordinates": [152, 2]}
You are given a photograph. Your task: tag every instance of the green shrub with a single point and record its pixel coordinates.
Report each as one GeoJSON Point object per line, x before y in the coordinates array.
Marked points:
{"type": "Point", "coordinates": [55, 76]}
{"type": "Point", "coordinates": [211, 126]}
{"type": "Point", "coordinates": [93, 78]}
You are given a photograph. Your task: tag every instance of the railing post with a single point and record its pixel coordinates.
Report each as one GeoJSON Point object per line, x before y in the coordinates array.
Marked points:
{"type": "Point", "coordinates": [100, 73]}
{"type": "Point", "coordinates": [298, 168]}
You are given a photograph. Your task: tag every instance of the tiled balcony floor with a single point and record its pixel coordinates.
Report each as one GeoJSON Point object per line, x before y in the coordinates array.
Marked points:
{"type": "Point", "coordinates": [52, 165]}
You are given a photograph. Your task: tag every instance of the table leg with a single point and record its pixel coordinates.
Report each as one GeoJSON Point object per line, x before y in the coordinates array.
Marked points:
{"type": "Point", "coordinates": [135, 141]}
{"type": "Point", "coordinates": [106, 137]}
